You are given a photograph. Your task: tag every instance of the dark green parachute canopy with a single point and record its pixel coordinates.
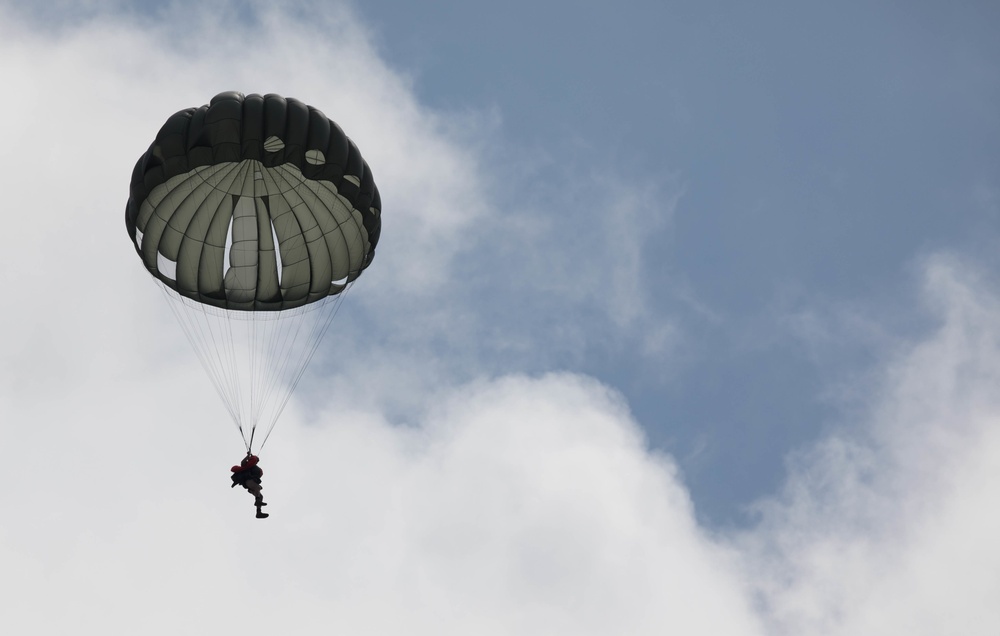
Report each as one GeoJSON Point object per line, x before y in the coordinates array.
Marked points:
{"type": "Point", "coordinates": [254, 214]}
{"type": "Point", "coordinates": [253, 203]}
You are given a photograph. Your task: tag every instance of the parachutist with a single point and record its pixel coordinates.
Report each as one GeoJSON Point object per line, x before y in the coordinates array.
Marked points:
{"type": "Point", "coordinates": [248, 475]}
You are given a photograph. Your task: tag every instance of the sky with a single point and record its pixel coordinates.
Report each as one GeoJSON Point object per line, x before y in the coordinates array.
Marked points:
{"type": "Point", "coordinates": [684, 319]}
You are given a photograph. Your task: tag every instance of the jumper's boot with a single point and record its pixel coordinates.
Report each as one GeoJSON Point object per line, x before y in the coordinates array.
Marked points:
{"type": "Point", "coordinates": [261, 515]}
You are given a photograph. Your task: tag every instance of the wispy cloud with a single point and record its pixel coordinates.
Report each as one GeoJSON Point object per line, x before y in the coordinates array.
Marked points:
{"type": "Point", "coordinates": [884, 528]}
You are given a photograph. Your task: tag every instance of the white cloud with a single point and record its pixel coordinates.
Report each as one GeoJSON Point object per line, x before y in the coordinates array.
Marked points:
{"type": "Point", "coordinates": [887, 529]}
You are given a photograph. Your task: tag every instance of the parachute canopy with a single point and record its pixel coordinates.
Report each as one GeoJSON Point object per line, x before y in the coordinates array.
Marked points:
{"type": "Point", "coordinates": [254, 214]}
{"type": "Point", "coordinates": [253, 203]}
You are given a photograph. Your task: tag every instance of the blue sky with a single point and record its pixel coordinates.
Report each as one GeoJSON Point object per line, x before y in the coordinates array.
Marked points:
{"type": "Point", "coordinates": [684, 319]}
{"type": "Point", "coordinates": [807, 156]}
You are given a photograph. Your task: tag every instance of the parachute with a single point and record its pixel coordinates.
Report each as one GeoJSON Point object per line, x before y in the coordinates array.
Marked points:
{"type": "Point", "coordinates": [255, 215]}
